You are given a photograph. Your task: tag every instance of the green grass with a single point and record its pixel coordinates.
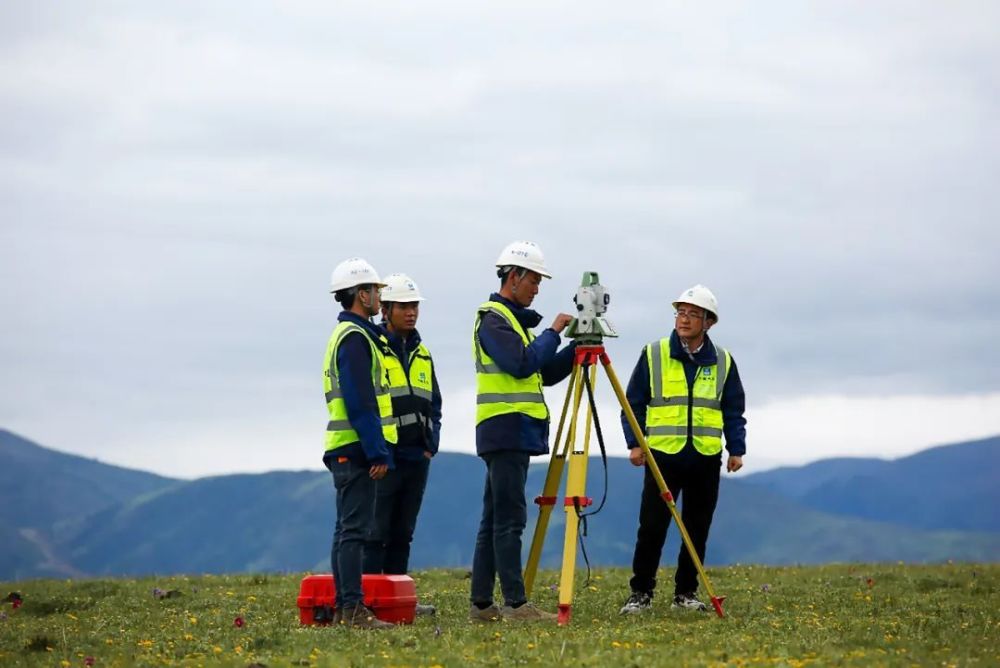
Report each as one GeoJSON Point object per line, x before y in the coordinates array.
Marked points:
{"type": "Point", "coordinates": [857, 615]}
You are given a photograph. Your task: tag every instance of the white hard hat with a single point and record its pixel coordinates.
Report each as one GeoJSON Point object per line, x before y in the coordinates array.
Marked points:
{"type": "Point", "coordinates": [524, 254]}
{"type": "Point", "coordinates": [701, 296]}
{"type": "Point", "coordinates": [400, 288]}
{"type": "Point", "coordinates": [352, 273]}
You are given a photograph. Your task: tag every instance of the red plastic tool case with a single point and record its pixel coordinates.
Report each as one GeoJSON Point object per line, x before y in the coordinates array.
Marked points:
{"type": "Point", "coordinates": [392, 597]}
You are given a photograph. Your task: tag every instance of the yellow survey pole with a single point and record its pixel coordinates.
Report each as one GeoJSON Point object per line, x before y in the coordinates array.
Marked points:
{"type": "Point", "coordinates": [576, 498]}
{"type": "Point", "coordinates": [553, 479]}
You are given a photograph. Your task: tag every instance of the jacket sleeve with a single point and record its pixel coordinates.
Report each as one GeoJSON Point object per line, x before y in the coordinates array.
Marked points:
{"type": "Point", "coordinates": [354, 364]}
{"type": "Point", "coordinates": [506, 347]}
{"type": "Point", "coordinates": [561, 365]}
{"type": "Point", "coordinates": [435, 414]}
{"type": "Point", "coordinates": [638, 396]}
{"type": "Point", "coordinates": [733, 407]}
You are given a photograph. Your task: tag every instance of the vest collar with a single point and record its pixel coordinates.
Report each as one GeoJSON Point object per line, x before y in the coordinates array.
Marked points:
{"type": "Point", "coordinates": [704, 357]}
{"type": "Point", "coordinates": [396, 342]}
{"type": "Point", "coordinates": [528, 318]}
{"type": "Point", "coordinates": [373, 330]}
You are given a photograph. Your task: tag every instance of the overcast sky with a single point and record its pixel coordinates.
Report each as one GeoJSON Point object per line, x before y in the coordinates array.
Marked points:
{"type": "Point", "coordinates": [177, 181]}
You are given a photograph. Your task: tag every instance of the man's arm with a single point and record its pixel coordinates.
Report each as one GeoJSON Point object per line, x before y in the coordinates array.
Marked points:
{"type": "Point", "coordinates": [561, 365]}
{"type": "Point", "coordinates": [354, 363]}
{"type": "Point", "coordinates": [733, 422]}
{"type": "Point", "coordinates": [499, 340]}
{"type": "Point", "coordinates": [435, 414]}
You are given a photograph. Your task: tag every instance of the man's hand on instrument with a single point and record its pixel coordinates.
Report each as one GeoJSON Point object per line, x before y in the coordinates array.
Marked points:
{"type": "Point", "coordinates": [560, 323]}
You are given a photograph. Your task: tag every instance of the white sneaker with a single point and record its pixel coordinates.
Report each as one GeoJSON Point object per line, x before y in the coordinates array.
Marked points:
{"type": "Point", "coordinates": [688, 602]}
{"type": "Point", "coordinates": [638, 601]}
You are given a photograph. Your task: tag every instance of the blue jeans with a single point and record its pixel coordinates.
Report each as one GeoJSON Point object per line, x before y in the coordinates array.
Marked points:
{"type": "Point", "coordinates": [355, 510]}
{"type": "Point", "coordinates": [505, 514]}
{"type": "Point", "coordinates": [397, 502]}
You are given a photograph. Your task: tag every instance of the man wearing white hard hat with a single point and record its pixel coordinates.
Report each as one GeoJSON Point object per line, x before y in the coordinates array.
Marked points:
{"type": "Point", "coordinates": [416, 407]}
{"type": "Point", "coordinates": [360, 431]}
{"type": "Point", "coordinates": [687, 392]}
{"type": "Point", "coordinates": [512, 424]}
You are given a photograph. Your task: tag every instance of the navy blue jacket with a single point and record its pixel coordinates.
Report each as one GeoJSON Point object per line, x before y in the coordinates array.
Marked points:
{"type": "Point", "coordinates": [413, 442]}
{"type": "Point", "coordinates": [733, 398]}
{"type": "Point", "coordinates": [516, 431]}
{"type": "Point", "coordinates": [354, 371]}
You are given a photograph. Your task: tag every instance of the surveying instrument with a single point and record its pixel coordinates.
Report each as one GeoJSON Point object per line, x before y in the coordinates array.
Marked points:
{"type": "Point", "coordinates": [589, 329]}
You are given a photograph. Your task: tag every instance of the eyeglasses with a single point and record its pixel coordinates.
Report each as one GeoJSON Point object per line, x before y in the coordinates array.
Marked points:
{"type": "Point", "coordinates": [692, 315]}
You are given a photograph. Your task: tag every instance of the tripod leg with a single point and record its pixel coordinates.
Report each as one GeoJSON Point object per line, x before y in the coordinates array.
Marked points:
{"type": "Point", "coordinates": [664, 491]}
{"type": "Point", "coordinates": [576, 488]}
{"type": "Point", "coordinates": [553, 478]}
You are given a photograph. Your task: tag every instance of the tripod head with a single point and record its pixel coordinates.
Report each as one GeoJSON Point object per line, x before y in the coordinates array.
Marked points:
{"type": "Point", "coordinates": [589, 327]}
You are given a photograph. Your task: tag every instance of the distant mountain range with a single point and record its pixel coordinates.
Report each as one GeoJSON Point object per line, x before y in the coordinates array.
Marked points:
{"type": "Point", "coordinates": [63, 515]}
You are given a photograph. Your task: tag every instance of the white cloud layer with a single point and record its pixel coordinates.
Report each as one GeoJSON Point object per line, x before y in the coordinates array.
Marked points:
{"type": "Point", "coordinates": [177, 180]}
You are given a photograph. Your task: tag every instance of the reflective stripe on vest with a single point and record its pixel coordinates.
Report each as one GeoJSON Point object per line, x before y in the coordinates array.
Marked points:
{"type": "Point", "coordinates": [411, 392]}
{"type": "Point", "coordinates": [676, 412]}
{"type": "Point", "coordinates": [338, 430]}
{"type": "Point", "coordinates": [498, 392]}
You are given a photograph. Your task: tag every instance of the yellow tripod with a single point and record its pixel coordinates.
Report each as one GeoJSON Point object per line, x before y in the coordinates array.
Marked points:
{"type": "Point", "coordinates": [585, 362]}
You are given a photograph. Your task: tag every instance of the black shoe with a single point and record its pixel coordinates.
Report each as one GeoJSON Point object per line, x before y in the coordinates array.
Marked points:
{"type": "Point", "coordinates": [688, 602]}
{"type": "Point", "coordinates": [637, 602]}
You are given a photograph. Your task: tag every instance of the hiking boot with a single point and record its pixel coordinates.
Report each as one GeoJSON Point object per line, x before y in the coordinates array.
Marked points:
{"type": "Point", "coordinates": [362, 617]}
{"type": "Point", "coordinates": [638, 601]}
{"type": "Point", "coordinates": [688, 602]}
{"type": "Point", "coordinates": [527, 613]}
{"type": "Point", "coordinates": [485, 615]}
{"type": "Point", "coordinates": [337, 618]}
{"type": "Point", "coordinates": [424, 610]}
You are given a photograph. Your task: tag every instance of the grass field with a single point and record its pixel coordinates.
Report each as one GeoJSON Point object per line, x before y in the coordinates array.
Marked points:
{"type": "Point", "coordinates": [858, 615]}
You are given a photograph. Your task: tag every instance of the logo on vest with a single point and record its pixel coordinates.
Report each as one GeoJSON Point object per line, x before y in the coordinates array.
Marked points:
{"type": "Point", "coordinates": [707, 371]}
{"type": "Point", "coordinates": [422, 377]}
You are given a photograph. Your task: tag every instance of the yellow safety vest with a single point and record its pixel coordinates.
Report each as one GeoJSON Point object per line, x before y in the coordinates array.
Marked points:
{"type": "Point", "coordinates": [338, 430]}
{"type": "Point", "coordinates": [411, 395]}
{"type": "Point", "coordinates": [673, 412]}
{"type": "Point", "coordinates": [498, 392]}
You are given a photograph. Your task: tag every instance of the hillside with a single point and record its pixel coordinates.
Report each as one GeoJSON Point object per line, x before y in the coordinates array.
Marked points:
{"type": "Point", "coordinates": [955, 487]}
{"type": "Point", "coordinates": [136, 523]}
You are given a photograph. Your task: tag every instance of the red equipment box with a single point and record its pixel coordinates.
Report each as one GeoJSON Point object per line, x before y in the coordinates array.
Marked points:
{"type": "Point", "coordinates": [392, 597]}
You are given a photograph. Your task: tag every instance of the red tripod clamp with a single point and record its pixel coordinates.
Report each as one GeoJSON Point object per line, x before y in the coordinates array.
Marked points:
{"type": "Point", "coordinates": [591, 355]}
{"type": "Point", "coordinates": [581, 501]}
{"type": "Point", "coordinates": [545, 500]}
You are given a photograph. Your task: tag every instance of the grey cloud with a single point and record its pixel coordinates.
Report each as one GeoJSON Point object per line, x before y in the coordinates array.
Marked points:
{"type": "Point", "coordinates": [177, 182]}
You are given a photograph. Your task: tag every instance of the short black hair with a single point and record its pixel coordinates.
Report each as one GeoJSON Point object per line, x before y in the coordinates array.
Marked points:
{"type": "Point", "coordinates": [346, 297]}
{"type": "Point", "coordinates": [505, 271]}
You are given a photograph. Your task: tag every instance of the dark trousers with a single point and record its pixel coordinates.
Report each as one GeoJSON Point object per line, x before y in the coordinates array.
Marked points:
{"type": "Point", "coordinates": [355, 510]}
{"type": "Point", "coordinates": [397, 502]}
{"type": "Point", "coordinates": [693, 479]}
{"type": "Point", "coordinates": [505, 514]}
